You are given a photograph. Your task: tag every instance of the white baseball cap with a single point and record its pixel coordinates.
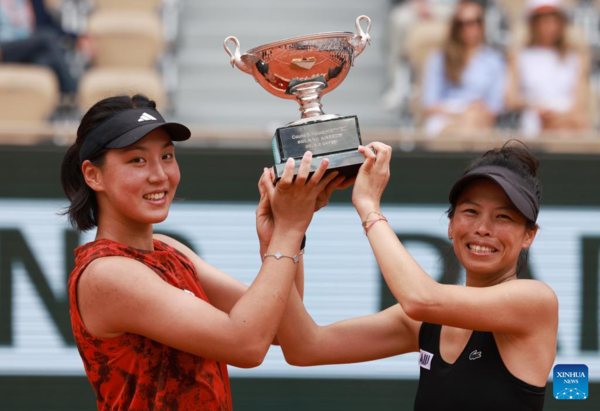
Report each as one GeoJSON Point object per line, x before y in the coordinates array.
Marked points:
{"type": "Point", "coordinates": [544, 6]}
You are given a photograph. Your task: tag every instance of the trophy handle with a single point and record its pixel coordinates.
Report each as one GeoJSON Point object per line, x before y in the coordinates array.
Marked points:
{"type": "Point", "coordinates": [362, 38]}
{"type": "Point", "coordinates": [236, 60]}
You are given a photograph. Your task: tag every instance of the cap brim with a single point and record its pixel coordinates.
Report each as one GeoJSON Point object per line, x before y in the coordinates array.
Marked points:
{"type": "Point", "coordinates": [177, 132]}
{"type": "Point", "coordinates": [511, 192]}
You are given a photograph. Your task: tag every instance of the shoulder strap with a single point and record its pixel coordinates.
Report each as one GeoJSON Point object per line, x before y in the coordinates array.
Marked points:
{"type": "Point", "coordinates": [429, 337]}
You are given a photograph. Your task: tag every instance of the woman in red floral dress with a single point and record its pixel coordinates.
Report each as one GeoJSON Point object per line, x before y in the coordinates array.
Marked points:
{"type": "Point", "coordinates": [155, 324]}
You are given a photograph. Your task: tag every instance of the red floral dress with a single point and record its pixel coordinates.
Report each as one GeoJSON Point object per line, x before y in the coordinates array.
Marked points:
{"type": "Point", "coordinates": [132, 372]}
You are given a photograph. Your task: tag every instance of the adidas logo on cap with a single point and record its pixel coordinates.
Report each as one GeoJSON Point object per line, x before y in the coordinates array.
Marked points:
{"type": "Point", "coordinates": [145, 117]}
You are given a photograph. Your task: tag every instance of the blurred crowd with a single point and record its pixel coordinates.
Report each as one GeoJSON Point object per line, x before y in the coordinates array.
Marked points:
{"type": "Point", "coordinates": [460, 66]}
{"type": "Point", "coordinates": [456, 66]}
{"type": "Point", "coordinates": [58, 57]}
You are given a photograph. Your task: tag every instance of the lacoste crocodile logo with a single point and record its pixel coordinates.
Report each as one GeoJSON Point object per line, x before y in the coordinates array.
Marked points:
{"type": "Point", "coordinates": [475, 355]}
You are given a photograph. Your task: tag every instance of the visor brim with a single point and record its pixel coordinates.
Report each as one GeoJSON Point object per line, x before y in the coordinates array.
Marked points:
{"type": "Point", "coordinates": [518, 200]}
{"type": "Point", "coordinates": [177, 132]}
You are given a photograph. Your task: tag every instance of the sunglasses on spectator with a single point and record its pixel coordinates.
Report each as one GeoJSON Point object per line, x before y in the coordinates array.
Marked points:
{"type": "Point", "coordinates": [471, 22]}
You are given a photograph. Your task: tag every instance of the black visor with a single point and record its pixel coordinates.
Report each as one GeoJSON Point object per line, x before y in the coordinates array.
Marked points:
{"type": "Point", "coordinates": [516, 188]}
{"type": "Point", "coordinates": [126, 128]}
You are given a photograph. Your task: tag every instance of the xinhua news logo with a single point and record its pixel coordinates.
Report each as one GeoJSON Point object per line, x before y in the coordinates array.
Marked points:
{"type": "Point", "coordinates": [570, 382]}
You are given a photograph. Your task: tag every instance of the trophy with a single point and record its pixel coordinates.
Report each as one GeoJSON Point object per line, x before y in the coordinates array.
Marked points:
{"type": "Point", "coordinates": [305, 68]}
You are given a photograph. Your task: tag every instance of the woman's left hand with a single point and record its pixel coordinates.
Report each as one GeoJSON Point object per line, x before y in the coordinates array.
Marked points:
{"type": "Point", "coordinates": [265, 223]}
{"type": "Point", "coordinates": [372, 178]}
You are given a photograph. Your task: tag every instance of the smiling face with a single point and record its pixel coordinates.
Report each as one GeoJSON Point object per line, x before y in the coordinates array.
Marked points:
{"type": "Point", "coordinates": [488, 231]}
{"type": "Point", "coordinates": [136, 184]}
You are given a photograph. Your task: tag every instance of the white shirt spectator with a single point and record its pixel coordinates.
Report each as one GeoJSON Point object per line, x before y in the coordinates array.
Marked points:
{"type": "Point", "coordinates": [548, 81]}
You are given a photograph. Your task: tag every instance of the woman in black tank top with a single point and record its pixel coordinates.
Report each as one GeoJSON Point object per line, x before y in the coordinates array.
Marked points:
{"type": "Point", "coordinates": [487, 345]}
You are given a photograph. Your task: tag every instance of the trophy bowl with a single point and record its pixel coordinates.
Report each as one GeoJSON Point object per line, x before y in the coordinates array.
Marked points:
{"type": "Point", "coordinates": [305, 68]}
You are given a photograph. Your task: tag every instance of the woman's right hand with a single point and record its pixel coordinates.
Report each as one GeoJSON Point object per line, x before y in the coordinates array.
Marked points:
{"type": "Point", "coordinates": [372, 178]}
{"type": "Point", "coordinates": [293, 200]}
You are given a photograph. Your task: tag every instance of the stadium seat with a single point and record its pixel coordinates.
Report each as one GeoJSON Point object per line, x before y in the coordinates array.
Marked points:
{"type": "Point", "coordinates": [423, 39]}
{"type": "Point", "coordinates": [100, 83]}
{"type": "Point", "coordinates": [137, 5]}
{"type": "Point", "coordinates": [126, 38]}
{"type": "Point", "coordinates": [27, 93]}
{"type": "Point", "coordinates": [514, 10]}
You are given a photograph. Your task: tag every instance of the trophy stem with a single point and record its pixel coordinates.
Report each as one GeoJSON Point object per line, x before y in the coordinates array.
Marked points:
{"type": "Point", "coordinates": [309, 97]}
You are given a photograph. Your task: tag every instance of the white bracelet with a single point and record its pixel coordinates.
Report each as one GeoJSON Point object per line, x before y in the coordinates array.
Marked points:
{"type": "Point", "coordinates": [279, 256]}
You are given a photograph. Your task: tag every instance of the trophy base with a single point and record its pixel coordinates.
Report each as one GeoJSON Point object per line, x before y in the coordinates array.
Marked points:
{"type": "Point", "coordinates": [346, 163]}
{"type": "Point", "coordinates": [336, 139]}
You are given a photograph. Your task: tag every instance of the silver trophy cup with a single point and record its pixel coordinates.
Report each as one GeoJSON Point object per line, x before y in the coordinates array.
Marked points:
{"type": "Point", "coordinates": [304, 69]}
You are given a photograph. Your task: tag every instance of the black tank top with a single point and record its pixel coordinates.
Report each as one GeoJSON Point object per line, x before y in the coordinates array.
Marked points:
{"type": "Point", "coordinates": [478, 379]}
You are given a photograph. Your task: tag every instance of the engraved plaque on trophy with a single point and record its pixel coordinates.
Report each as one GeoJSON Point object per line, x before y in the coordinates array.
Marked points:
{"type": "Point", "coordinates": [304, 69]}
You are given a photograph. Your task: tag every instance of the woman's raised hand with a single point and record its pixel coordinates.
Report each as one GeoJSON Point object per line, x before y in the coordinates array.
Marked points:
{"type": "Point", "coordinates": [372, 178]}
{"type": "Point", "coordinates": [293, 201]}
{"type": "Point", "coordinates": [265, 222]}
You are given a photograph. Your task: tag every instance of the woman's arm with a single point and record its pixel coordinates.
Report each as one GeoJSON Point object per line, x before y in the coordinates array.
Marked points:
{"type": "Point", "coordinates": [224, 291]}
{"type": "Point", "coordinates": [385, 334]}
{"type": "Point", "coordinates": [118, 295]}
{"type": "Point", "coordinates": [513, 307]}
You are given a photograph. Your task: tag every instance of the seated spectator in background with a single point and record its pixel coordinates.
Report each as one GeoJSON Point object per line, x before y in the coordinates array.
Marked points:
{"type": "Point", "coordinates": [403, 16]}
{"type": "Point", "coordinates": [549, 79]}
{"type": "Point", "coordinates": [20, 42]}
{"type": "Point", "coordinates": [463, 87]}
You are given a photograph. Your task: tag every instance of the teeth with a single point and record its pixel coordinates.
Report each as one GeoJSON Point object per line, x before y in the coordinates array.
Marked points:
{"type": "Point", "coordinates": [481, 249]}
{"type": "Point", "coordinates": [155, 197]}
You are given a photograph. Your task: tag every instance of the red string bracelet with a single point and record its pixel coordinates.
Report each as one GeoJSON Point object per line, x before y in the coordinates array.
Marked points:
{"type": "Point", "coordinates": [372, 223]}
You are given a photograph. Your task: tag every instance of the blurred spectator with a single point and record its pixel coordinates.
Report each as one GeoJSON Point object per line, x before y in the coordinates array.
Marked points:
{"type": "Point", "coordinates": [463, 85]}
{"type": "Point", "coordinates": [410, 12]}
{"type": "Point", "coordinates": [549, 79]}
{"type": "Point", "coordinates": [405, 15]}
{"type": "Point", "coordinates": [22, 42]}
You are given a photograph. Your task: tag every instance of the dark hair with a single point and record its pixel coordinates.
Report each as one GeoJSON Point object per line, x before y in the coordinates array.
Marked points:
{"type": "Point", "coordinates": [454, 50]}
{"type": "Point", "coordinates": [83, 210]}
{"type": "Point", "coordinates": [517, 157]}
{"type": "Point", "coordinates": [560, 45]}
